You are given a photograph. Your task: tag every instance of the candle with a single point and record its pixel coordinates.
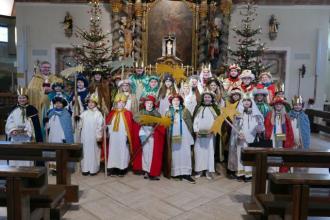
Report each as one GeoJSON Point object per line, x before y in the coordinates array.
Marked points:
{"type": "Point", "coordinates": [150, 69]}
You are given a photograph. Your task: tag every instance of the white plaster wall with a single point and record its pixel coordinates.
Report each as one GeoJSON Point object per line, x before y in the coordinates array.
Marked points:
{"type": "Point", "coordinates": [39, 28]}
{"type": "Point", "coordinates": [299, 31]}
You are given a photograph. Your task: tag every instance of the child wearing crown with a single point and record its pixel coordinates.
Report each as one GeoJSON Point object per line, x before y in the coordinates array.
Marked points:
{"type": "Point", "coordinates": [122, 136]}
{"type": "Point", "coordinates": [300, 124]}
{"type": "Point", "coordinates": [23, 124]}
{"type": "Point", "coordinates": [91, 123]}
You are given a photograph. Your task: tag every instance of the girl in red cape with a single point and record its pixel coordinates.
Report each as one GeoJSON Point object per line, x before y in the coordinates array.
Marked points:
{"type": "Point", "coordinates": [277, 123]}
{"type": "Point", "coordinates": [149, 154]}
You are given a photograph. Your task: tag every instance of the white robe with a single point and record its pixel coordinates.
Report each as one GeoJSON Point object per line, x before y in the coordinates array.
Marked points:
{"type": "Point", "coordinates": [15, 122]}
{"type": "Point", "coordinates": [91, 131]}
{"type": "Point", "coordinates": [247, 125]}
{"type": "Point", "coordinates": [148, 148]}
{"type": "Point", "coordinates": [55, 135]}
{"type": "Point", "coordinates": [181, 152]}
{"type": "Point", "coordinates": [190, 102]}
{"type": "Point", "coordinates": [204, 146]}
{"type": "Point", "coordinates": [119, 156]}
{"type": "Point", "coordinates": [163, 105]}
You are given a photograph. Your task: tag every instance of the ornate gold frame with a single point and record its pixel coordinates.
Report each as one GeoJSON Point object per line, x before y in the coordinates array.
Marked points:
{"type": "Point", "coordinates": [194, 10]}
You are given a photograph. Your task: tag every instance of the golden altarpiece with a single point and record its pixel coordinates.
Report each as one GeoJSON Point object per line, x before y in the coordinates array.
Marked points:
{"type": "Point", "coordinates": [176, 32]}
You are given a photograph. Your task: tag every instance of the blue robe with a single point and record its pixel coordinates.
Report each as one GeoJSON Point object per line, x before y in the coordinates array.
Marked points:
{"type": "Point", "coordinates": [303, 125]}
{"type": "Point", "coordinates": [66, 123]}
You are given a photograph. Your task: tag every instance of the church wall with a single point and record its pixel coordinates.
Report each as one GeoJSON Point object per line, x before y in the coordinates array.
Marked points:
{"type": "Point", "coordinates": [298, 35]}
{"type": "Point", "coordinates": [40, 31]}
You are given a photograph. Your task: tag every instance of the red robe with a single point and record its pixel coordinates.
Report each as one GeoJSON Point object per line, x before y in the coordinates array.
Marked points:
{"type": "Point", "coordinates": [157, 155]}
{"type": "Point", "coordinates": [247, 89]}
{"type": "Point", "coordinates": [269, 126]}
{"type": "Point", "coordinates": [131, 129]}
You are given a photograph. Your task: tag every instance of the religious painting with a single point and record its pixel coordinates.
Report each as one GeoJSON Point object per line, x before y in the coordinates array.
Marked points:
{"type": "Point", "coordinates": [64, 58]}
{"type": "Point", "coordinates": [167, 17]}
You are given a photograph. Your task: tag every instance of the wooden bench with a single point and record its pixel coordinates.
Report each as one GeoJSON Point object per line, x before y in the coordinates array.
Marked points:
{"type": "Point", "coordinates": [301, 202]}
{"type": "Point", "coordinates": [315, 127]}
{"type": "Point", "coordinates": [18, 189]}
{"type": "Point", "coordinates": [65, 153]}
{"type": "Point", "coordinates": [263, 158]}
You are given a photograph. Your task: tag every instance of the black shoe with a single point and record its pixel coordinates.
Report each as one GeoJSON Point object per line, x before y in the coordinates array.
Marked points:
{"type": "Point", "coordinates": [188, 179]}
{"type": "Point", "coordinates": [240, 178]}
{"type": "Point", "coordinates": [231, 176]}
{"type": "Point", "coordinates": [85, 173]}
{"type": "Point", "coordinates": [146, 176]}
{"type": "Point", "coordinates": [154, 178]}
{"type": "Point", "coordinates": [177, 178]}
{"type": "Point", "coordinates": [93, 174]}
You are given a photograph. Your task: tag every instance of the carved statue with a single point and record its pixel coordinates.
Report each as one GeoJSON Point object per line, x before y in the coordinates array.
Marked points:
{"type": "Point", "coordinates": [169, 47]}
{"type": "Point", "coordinates": [128, 36]}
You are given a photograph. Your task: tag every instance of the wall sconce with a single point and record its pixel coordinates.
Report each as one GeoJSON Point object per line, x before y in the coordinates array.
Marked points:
{"type": "Point", "coordinates": [68, 25]}
{"type": "Point", "coordinates": [273, 27]}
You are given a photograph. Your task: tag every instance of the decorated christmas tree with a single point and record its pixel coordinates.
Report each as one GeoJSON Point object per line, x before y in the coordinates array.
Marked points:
{"type": "Point", "coordinates": [95, 51]}
{"type": "Point", "coordinates": [249, 49]}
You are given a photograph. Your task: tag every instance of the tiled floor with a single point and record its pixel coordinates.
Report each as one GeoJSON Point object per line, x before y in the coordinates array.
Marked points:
{"type": "Point", "coordinates": [133, 197]}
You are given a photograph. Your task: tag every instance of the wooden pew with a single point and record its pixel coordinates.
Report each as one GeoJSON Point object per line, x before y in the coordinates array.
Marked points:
{"type": "Point", "coordinates": [18, 189]}
{"type": "Point", "coordinates": [301, 202]}
{"type": "Point", "coordinates": [315, 127]}
{"type": "Point", "coordinates": [262, 158]}
{"type": "Point", "coordinates": [65, 153]}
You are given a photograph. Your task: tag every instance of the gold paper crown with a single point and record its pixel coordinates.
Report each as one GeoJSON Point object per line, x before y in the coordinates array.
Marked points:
{"type": "Point", "coordinates": [234, 66]}
{"type": "Point", "coordinates": [247, 95]}
{"type": "Point", "coordinates": [279, 87]}
{"type": "Point", "coordinates": [22, 91]}
{"type": "Point", "coordinates": [297, 100]}
{"type": "Point", "coordinates": [120, 97]}
{"type": "Point", "coordinates": [206, 67]}
{"type": "Point", "coordinates": [93, 97]}
{"type": "Point", "coordinates": [139, 64]}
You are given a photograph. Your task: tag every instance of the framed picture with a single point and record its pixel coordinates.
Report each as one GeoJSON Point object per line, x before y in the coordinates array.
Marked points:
{"type": "Point", "coordinates": [275, 61]}
{"type": "Point", "coordinates": [64, 58]}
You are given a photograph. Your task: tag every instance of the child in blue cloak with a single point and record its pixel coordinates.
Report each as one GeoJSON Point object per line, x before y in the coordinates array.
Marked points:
{"type": "Point", "coordinates": [300, 124]}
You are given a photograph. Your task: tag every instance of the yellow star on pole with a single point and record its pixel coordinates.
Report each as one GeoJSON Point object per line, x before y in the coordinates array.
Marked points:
{"type": "Point", "coordinates": [148, 119]}
{"type": "Point", "coordinates": [227, 112]}
{"type": "Point", "coordinates": [176, 71]}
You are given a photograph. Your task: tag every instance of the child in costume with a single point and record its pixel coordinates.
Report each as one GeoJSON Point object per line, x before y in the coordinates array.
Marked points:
{"type": "Point", "coordinates": [124, 86]}
{"type": "Point", "coordinates": [204, 76]}
{"type": "Point", "coordinates": [278, 127]}
{"type": "Point", "coordinates": [279, 91]}
{"type": "Point", "coordinates": [152, 87]}
{"type": "Point", "coordinates": [121, 132]}
{"type": "Point", "coordinates": [266, 82]}
{"type": "Point", "coordinates": [22, 124]}
{"type": "Point", "coordinates": [260, 98]}
{"type": "Point", "coordinates": [91, 124]}
{"type": "Point", "coordinates": [139, 79]}
{"type": "Point", "coordinates": [179, 141]}
{"type": "Point", "coordinates": [233, 80]}
{"type": "Point", "coordinates": [167, 89]}
{"type": "Point", "coordinates": [59, 126]}
{"type": "Point", "coordinates": [204, 116]}
{"type": "Point", "coordinates": [249, 123]}
{"type": "Point", "coordinates": [214, 86]}
{"type": "Point", "coordinates": [300, 124]}
{"type": "Point", "coordinates": [247, 78]}
{"type": "Point", "coordinates": [149, 155]}
{"type": "Point", "coordinates": [100, 87]}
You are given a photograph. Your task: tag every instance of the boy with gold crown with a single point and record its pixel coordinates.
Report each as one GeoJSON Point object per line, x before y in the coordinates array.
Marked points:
{"type": "Point", "coordinates": [300, 123]}
{"type": "Point", "coordinates": [23, 124]}
{"type": "Point", "coordinates": [122, 137]}
{"type": "Point", "coordinates": [91, 123]}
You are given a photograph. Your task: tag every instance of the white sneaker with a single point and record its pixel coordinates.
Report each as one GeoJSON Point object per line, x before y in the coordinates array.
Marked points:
{"type": "Point", "coordinates": [209, 176]}
{"type": "Point", "coordinates": [198, 174]}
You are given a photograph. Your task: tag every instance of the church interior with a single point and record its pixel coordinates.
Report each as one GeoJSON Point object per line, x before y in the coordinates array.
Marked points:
{"type": "Point", "coordinates": [165, 109]}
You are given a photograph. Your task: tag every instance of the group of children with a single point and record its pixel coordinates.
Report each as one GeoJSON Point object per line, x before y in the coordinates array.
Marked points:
{"type": "Point", "coordinates": [111, 132]}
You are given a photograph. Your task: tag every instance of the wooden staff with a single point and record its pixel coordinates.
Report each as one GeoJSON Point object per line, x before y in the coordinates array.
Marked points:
{"type": "Point", "coordinates": [235, 129]}
{"type": "Point", "coordinates": [105, 147]}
